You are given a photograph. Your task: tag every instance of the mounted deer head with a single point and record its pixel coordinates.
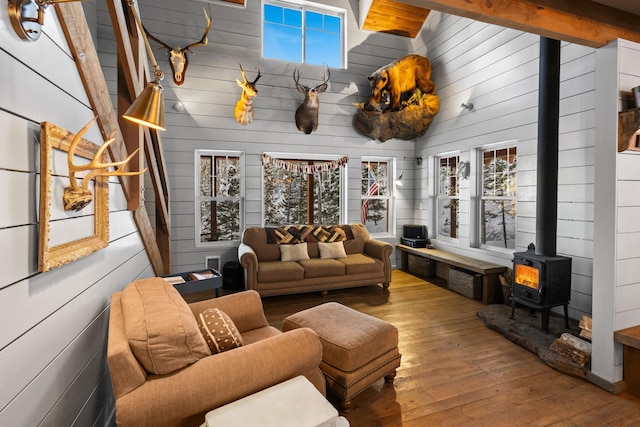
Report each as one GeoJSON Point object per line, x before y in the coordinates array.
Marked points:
{"type": "Point", "coordinates": [77, 197]}
{"type": "Point", "coordinates": [178, 59]}
{"type": "Point", "coordinates": [244, 107]}
{"type": "Point", "coordinates": [307, 113]}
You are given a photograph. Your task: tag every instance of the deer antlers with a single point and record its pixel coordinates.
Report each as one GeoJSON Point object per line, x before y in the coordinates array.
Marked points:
{"type": "Point", "coordinates": [307, 112]}
{"type": "Point", "coordinates": [77, 197]}
{"type": "Point", "coordinates": [243, 111]}
{"type": "Point", "coordinates": [178, 59]}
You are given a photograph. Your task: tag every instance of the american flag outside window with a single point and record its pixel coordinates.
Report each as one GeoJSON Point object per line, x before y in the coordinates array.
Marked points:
{"type": "Point", "coordinates": [372, 190]}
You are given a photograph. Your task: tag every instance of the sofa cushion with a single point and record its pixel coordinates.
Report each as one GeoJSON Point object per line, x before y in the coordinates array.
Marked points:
{"type": "Point", "coordinates": [219, 331]}
{"type": "Point", "coordinates": [318, 267]}
{"type": "Point", "coordinates": [278, 271]}
{"type": "Point", "coordinates": [331, 250]}
{"type": "Point", "coordinates": [160, 327]}
{"type": "Point", "coordinates": [294, 252]}
{"type": "Point", "coordinates": [360, 263]}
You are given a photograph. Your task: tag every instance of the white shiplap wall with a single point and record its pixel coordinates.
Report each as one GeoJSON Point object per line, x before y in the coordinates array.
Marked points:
{"type": "Point", "coordinates": [496, 69]}
{"type": "Point", "coordinates": [210, 92]}
{"type": "Point", "coordinates": [617, 235]}
{"type": "Point", "coordinates": [54, 325]}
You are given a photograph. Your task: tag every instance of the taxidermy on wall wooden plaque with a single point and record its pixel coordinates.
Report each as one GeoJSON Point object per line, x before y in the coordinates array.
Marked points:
{"type": "Point", "coordinates": [403, 100]}
{"type": "Point", "coordinates": [178, 59]}
{"type": "Point", "coordinates": [307, 112]}
{"type": "Point", "coordinates": [244, 107]}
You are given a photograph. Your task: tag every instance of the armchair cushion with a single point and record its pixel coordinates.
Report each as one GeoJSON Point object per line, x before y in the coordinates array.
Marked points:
{"type": "Point", "coordinates": [160, 327]}
{"type": "Point", "coordinates": [219, 331]}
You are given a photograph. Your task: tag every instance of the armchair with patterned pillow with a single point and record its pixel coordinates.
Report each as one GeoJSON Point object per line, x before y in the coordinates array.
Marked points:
{"type": "Point", "coordinates": [172, 362]}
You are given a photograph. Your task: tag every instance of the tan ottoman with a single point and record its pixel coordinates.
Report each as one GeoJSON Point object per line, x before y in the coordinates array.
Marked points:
{"type": "Point", "coordinates": [357, 349]}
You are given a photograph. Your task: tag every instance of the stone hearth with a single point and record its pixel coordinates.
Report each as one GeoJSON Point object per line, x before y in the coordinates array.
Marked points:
{"type": "Point", "coordinates": [526, 331]}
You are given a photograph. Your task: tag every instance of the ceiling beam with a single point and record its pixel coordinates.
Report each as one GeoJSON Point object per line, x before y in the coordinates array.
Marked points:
{"type": "Point", "coordinates": [578, 21]}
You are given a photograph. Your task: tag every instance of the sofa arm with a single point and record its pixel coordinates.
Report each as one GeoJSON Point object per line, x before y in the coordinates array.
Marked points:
{"type": "Point", "coordinates": [220, 379]}
{"type": "Point", "coordinates": [244, 308]}
{"type": "Point", "coordinates": [382, 251]}
{"type": "Point", "coordinates": [249, 261]}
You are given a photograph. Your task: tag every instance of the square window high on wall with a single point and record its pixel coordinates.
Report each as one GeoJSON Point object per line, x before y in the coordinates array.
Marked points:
{"type": "Point", "coordinates": [447, 196]}
{"type": "Point", "coordinates": [219, 196]}
{"type": "Point", "coordinates": [497, 210]}
{"type": "Point", "coordinates": [304, 32]}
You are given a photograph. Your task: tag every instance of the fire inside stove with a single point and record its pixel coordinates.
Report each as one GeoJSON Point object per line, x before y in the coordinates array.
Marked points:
{"type": "Point", "coordinates": [527, 276]}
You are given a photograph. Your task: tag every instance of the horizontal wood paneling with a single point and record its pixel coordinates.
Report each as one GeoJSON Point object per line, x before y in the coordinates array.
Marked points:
{"type": "Point", "coordinates": [52, 343]}
{"type": "Point", "coordinates": [497, 70]}
{"type": "Point", "coordinates": [210, 92]}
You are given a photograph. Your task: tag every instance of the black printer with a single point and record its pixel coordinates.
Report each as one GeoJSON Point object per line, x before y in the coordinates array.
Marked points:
{"type": "Point", "coordinates": [415, 236]}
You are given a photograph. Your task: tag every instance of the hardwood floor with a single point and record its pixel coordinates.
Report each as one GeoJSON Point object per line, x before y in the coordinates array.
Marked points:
{"type": "Point", "coordinates": [455, 371]}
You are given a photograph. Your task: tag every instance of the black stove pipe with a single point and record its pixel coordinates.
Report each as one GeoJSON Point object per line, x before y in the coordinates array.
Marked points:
{"type": "Point", "coordinates": [548, 124]}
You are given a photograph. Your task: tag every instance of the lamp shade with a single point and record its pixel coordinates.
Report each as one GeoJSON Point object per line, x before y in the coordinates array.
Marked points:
{"type": "Point", "coordinates": [148, 108]}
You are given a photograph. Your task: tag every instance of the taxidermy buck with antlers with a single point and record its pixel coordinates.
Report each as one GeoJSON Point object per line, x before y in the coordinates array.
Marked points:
{"type": "Point", "coordinates": [77, 197]}
{"type": "Point", "coordinates": [307, 113]}
{"type": "Point", "coordinates": [178, 59]}
{"type": "Point", "coordinates": [244, 107]}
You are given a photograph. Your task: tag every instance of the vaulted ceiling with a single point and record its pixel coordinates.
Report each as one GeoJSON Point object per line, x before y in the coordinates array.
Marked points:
{"type": "Point", "coordinates": [591, 23]}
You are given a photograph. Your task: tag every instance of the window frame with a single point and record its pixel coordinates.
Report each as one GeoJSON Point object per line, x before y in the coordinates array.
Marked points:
{"type": "Point", "coordinates": [198, 153]}
{"type": "Point", "coordinates": [480, 197]}
{"type": "Point", "coordinates": [439, 197]}
{"type": "Point", "coordinates": [390, 198]}
{"type": "Point", "coordinates": [308, 157]}
{"type": "Point", "coordinates": [304, 6]}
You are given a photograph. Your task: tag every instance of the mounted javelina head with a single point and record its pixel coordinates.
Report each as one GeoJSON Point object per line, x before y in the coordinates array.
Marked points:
{"type": "Point", "coordinates": [307, 113]}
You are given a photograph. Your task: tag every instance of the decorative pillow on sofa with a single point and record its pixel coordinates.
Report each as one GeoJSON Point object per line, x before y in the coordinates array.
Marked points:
{"type": "Point", "coordinates": [294, 252]}
{"type": "Point", "coordinates": [332, 250]}
{"type": "Point", "coordinates": [219, 331]}
{"type": "Point", "coordinates": [162, 332]}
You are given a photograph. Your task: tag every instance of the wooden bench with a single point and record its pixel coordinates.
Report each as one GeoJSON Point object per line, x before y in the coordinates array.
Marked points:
{"type": "Point", "coordinates": [630, 340]}
{"type": "Point", "coordinates": [490, 272]}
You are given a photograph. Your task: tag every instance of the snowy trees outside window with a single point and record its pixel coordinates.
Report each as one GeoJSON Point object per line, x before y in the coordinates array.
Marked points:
{"type": "Point", "coordinates": [375, 191]}
{"type": "Point", "coordinates": [448, 196]}
{"type": "Point", "coordinates": [219, 196]}
{"type": "Point", "coordinates": [498, 198]}
{"type": "Point", "coordinates": [296, 196]}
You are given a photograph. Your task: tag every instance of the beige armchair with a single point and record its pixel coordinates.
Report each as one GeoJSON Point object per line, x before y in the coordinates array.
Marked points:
{"type": "Point", "coordinates": [183, 397]}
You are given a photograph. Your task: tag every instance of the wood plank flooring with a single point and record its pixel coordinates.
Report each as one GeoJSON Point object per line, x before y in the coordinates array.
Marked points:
{"type": "Point", "coordinates": [455, 371]}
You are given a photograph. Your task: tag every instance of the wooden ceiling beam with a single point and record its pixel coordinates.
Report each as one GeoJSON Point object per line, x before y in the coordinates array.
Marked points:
{"type": "Point", "coordinates": [577, 21]}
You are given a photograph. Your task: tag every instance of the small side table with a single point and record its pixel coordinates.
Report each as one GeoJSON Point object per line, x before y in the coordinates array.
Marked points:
{"type": "Point", "coordinates": [293, 403]}
{"type": "Point", "coordinates": [192, 286]}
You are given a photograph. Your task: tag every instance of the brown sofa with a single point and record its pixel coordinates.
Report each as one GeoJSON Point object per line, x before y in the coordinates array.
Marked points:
{"type": "Point", "coordinates": [367, 262]}
{"type": "Point", "coordinates": [152, 314]}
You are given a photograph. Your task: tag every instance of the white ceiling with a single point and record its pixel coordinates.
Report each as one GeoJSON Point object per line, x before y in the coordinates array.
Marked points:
{"type": "Point", "coordinates": [632, 6]}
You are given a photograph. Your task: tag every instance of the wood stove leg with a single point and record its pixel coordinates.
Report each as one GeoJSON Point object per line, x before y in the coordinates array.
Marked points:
{"type": "Point", "coordinates": [545, 319]}
{"type": "Point", "coordinates": [513, 308]}
{"type": "Point", "coordinates": [566, 315]}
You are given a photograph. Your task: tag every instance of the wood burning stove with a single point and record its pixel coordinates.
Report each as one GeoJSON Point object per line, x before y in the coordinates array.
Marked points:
{"type": "Point", "coordinates": [542, 279]}
{"type": "Point", "coordinates": [541, 282]}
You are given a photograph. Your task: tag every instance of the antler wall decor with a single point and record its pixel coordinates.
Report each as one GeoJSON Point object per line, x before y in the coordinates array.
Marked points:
{"type": "Point", "coordinates": [307, 113]}
{"type": "Point", "coordinates": [178, 59]}
{"type": "Point", "coordinates": [77, 197]}
{"type": "Point", "coordinates": [244, 107]}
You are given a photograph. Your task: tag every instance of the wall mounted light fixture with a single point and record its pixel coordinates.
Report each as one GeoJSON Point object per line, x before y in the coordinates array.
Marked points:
{"type": "Point", "coordinates": [27, 16]}
{"type": "Point", "coordinates": [148, 108]}
{"type": "Point", "coordinates": [467, 106]}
